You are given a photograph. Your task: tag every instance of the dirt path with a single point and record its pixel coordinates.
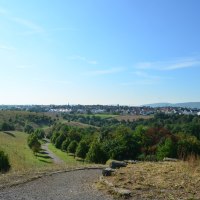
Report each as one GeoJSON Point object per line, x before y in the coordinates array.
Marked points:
{"type": "Point", "coordinates": [74, 185]}
{"type": "Point", "coordinates": [54, 158]}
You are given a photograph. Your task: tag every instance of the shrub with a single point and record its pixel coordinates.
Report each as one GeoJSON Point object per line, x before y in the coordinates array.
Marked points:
{"type": "Point", "coordinates": [82, 149]}
{"type": "Point", "coordinates": [33, 143]}
{"type": "Point", "coordinates": [96, 154]}
{"type": "Point", "coordinates": [72, 147]}
{"type": "Point", "coordinates": [6, 127]}
{"type": "Point", "coordinates": [28, 129]}
{"type": "Point", "coordinates": [39, 133]}
{"type": "Point", "coordinates": [59, 140]}
{"type": "Point", "coordinates": [65, 144]}
{"type": "Point", "coordinates": [4, 162]}
{"type": "Point", "coordinates": [168, 149]}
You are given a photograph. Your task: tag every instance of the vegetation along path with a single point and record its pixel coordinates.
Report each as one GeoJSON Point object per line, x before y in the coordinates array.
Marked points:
{"type": "Point", "coordinates": [50, 154]}
{"type": "Point", "coordinates": [74, 185]}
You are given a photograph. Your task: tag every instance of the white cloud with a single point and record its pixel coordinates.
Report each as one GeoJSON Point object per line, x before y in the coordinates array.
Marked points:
{"type": "Point", "coordinates": [105, 72]}
{"type": "Point", "coordinates": [82, 58]}
{"type": "Point", "coordinates": [169, 65]}
{"type": "Point", "coordinates": [145, 75]}
{"type": "Point", "coordinates": [140, 82]}
{"type": "Point", "coordinates": [33, 28]}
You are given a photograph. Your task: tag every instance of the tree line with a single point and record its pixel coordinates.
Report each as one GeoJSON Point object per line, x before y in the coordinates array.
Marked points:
{"type": "Point", "coordinates": [162, 136]}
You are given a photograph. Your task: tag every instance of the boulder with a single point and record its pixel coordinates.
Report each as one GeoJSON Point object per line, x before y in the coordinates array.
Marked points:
{"type": "Point", "coordinates": [114, 164]}
{"type": "Point", "coordinates": [131, 161]}
{"type": "Point", "coordinates": [123, 192]}
{"type": "Point", "coordinates": [107, 171]}
{"type": "Point", "coordinates": [170, 159]}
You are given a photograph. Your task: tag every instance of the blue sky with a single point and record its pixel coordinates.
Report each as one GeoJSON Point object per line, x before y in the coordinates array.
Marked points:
{"type": "Point", "coordinates": [128, 52]}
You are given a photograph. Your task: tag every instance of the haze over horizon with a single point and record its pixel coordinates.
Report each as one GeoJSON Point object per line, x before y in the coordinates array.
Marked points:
{"type": "Point", "coordinates": [131, 52]}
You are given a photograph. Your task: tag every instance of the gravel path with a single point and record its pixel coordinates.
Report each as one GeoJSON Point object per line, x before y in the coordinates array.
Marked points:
{"type": "Point", "coordinates": [76, 185]}
{"type": "Point", "coordinates": [54, 158]}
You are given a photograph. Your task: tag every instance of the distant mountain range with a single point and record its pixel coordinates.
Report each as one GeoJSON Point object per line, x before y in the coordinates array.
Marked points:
{"type": "Point", "coordinates": [183, 105]}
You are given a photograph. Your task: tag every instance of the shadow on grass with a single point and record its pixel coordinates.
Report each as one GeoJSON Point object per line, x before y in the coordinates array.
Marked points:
{"type": "Point", "coordinates": [9, 133]}
{"type": "Point", "coordinates": [45, 161]}
{"type": "Point", "coordinates": [43, 152]}
{"type": "Point", "coordinates": [44, 156]}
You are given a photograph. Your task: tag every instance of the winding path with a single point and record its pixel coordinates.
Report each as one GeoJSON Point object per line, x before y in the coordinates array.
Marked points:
{"type": "Point", "coordinates": [74, 185]}
{"type": "Point", "coordinates": [54, 158]}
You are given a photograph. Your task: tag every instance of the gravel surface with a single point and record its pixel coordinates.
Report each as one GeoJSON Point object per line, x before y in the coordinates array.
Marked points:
{"type": "Point", "coordinates": [54, 158]}
{"type": "Point", "coordinates": [76, 185]}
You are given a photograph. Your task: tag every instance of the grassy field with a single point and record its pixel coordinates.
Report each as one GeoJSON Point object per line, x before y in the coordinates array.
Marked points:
{"type": "Point", "coordinates": [132, 117]}
{"type": "Point", "coordinates": [69, 160]}
{"type": "Point", "coordinates": [76, 124]}
{"type": "Point", "coordinates": [103, 116]}
{"type": "Point", "coordinates": [159, 180]}
{"type": "Point", "coordinates": [20, 155]}
{"type": "Point", "coordinates": [24, 165]}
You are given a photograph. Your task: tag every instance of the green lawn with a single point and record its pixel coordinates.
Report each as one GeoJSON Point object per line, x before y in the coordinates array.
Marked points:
{"type": "Point", "coordinates": [20, 155]}
{"type": "Point", "coordinates": [69, 160]}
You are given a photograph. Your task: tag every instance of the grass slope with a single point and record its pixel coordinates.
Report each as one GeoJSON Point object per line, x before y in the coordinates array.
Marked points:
{"type": "Point", "coordinates": [20, 155]}
{"type": "Point", "coordinates": [69, 160]}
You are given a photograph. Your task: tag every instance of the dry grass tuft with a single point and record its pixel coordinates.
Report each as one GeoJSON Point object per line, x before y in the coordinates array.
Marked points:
{"type": "Point", "coordinates": [161, 180]}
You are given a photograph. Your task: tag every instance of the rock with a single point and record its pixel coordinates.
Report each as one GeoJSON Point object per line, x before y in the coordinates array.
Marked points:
{"type": "Point", "coordinates": [117, 164]}
{"type": "Point", "coordinates": [107, 171]}
{"type": "Point", "coordinates": [131, 161]}
{"type": "Point", "coordinates": [170, 159]}
{"type": "Point", "coordinates": [123, 192]}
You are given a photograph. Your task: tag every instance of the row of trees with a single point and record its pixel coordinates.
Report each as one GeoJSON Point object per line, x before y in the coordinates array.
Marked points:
{"type": "Point", "coordinates": [33, 140]}
{"type": "Point", "coordinates": [145, 142]}
{"type": "Point", "coordinates": [17, 120]}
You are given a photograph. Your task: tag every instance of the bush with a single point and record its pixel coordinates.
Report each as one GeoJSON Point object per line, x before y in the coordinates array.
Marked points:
{"type": "Point", "coordinates": [65, 144]}
{"type": "Point", "coordinates": [28, 129]}
{"type": "Point", "coordinates": [33, 143]}
{"type": "Point", "coordinates": [40, 133]}
{"type": "Point", "coordinates": [82, 149]}
{"type": "Point", "coordinates": [4, 162]}
{"type": "Point", "coordinates": [72, 147]}
{"type": "Point", "coordinates": [59, 140]}
{"type": "Point", "coordinates": [6, 127]}
{"type": "Point", "coordinates": [96, 154]}
{"type": "Point", "coordinates": [168, 149]}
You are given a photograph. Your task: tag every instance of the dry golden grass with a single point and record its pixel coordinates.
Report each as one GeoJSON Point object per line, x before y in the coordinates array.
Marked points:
{"type": "Point", "coordinates": [132, 117]}
{"type": "Point", "coordinates": [161, 180]}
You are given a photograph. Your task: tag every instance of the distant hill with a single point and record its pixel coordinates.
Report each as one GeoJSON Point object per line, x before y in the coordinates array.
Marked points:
{"type": "Point", "coordinates": [183, 105]}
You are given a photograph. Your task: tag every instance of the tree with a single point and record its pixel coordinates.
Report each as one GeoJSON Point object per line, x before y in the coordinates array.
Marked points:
{"type": "Point", "coordinates": [60, 139]}
{"type": "Point", "coordinates": [96, 154]}
{"type": "Point", "coordinates": [82, 149]}
{"type": "Point", "coordinates": [39, 133]}
{"type": "Point", "coordinates": [65, 144]}
{"type": "Point", "coordinates": [6, 127]}
{"type": "Point", "coordinates": [34, 144]}
{"type": "Point", "coordinates": [168, 149]}
{"type": "Point", "coordinates": [72, 147]}
{"type": "Point", "coordinates": [188, 145]}
{"type": "Point", "coordinates": [4, 162]}
{"type": "Point", "coordinates": [28, 129]}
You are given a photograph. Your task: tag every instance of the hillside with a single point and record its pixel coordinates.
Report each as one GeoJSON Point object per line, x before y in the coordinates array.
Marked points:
{"type": "Point", "coordinates": [183, 105]}
{"type": "Point", "coordinates": [157, 180]}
